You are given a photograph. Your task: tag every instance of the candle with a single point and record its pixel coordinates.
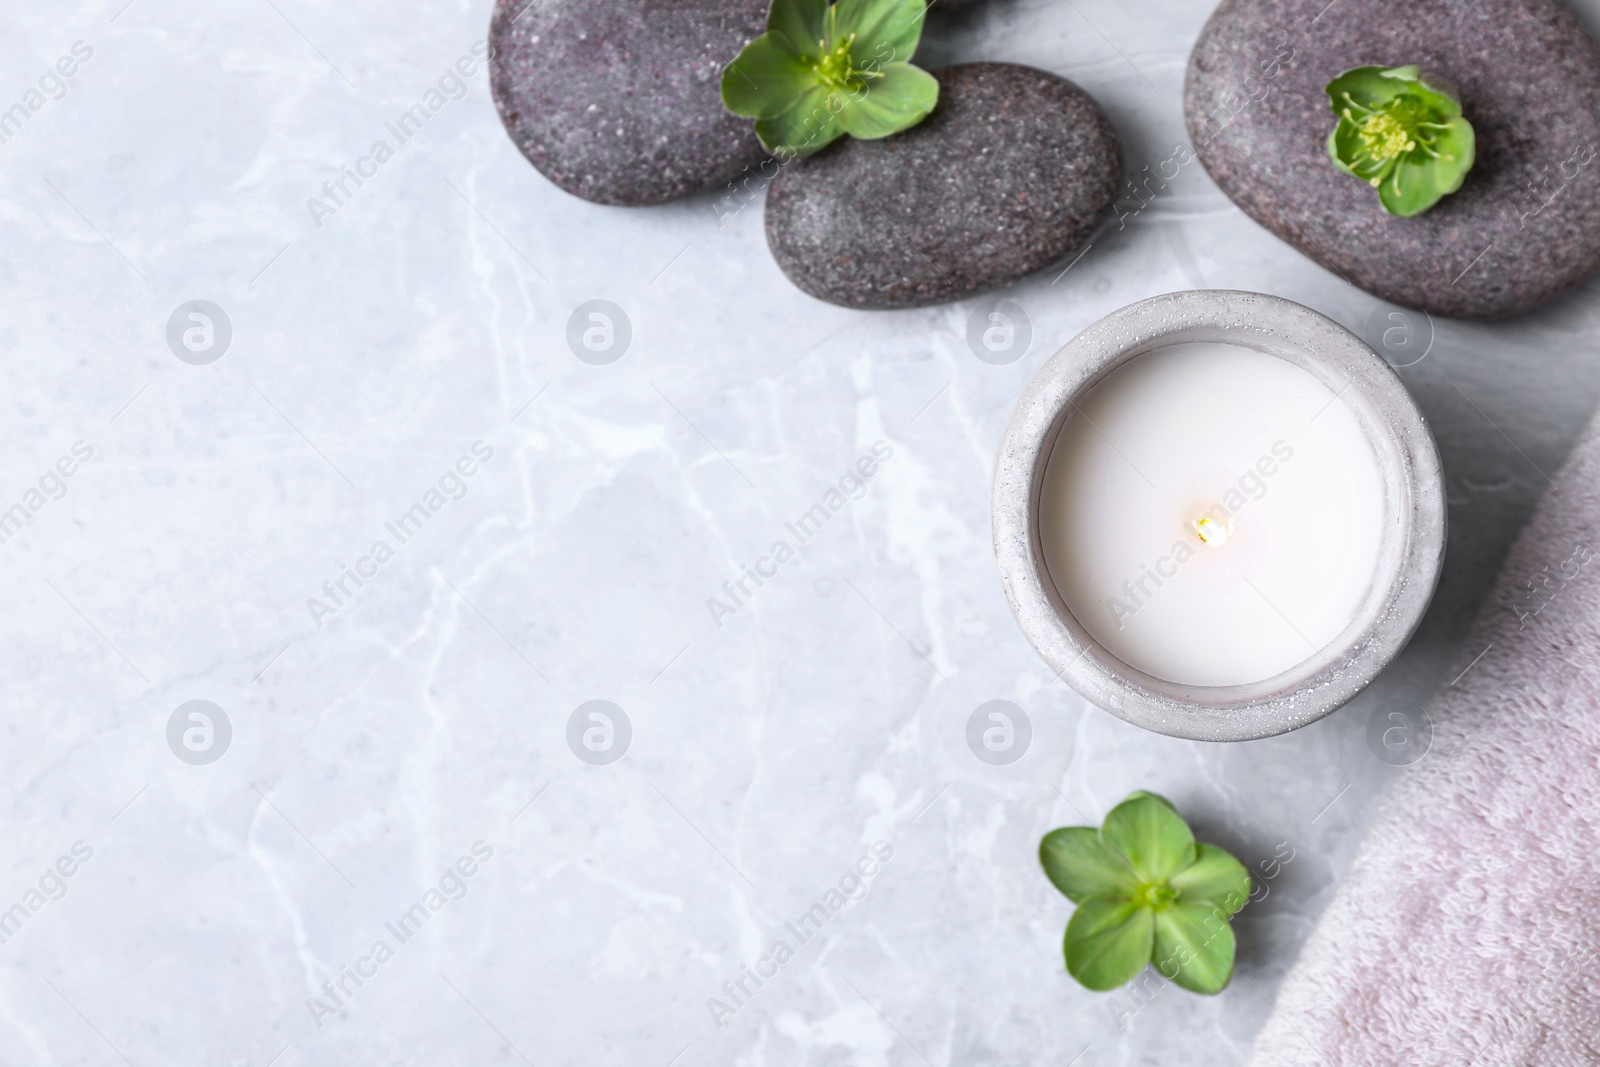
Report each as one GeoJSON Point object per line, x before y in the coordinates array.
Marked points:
{"type": "Point", "coordinates": [1217, 514]}
{"type": "Point", "coordinates": [1212, 514]}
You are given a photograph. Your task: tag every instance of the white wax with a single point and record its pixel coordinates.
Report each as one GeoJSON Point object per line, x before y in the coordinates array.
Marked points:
{"type": "Point", "coordinates": [1292, 488]}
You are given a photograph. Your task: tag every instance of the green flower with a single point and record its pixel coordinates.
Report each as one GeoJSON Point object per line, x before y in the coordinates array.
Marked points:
{"type": "Point", "coordinates": [823, 70]}
{"type": "Point", "coordinates": [1400, 134]}
{"type": "Point", "coordinates": [1146, 893]}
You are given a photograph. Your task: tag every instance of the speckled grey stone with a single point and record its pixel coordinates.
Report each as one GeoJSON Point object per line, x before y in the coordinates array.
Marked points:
{"type": "Point", "coordinates": [1523, 229]}
{"type": "Point", "coordinates": [618, 101]}
{"type": "Point", "coordinates": [1010, 173]}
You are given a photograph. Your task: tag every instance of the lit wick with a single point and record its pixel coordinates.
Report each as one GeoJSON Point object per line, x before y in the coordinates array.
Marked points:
{"type": "Point", "coordinates": [1209, 530]}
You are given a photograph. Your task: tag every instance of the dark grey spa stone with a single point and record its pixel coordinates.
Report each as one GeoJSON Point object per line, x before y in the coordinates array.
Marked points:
{"type": "Point", "coordinates": [1526, 225]}
{"type": "Point", "coordinates": [1011, 173]}
{"type": "Point", "coordinates": [619, 101]}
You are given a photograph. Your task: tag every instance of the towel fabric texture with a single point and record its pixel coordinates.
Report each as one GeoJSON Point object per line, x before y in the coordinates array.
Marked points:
{"type": "Point", "coordinates": [1468, 931]}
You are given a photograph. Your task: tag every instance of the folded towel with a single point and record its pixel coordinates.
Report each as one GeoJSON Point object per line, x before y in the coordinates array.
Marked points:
{"type": "Point", "coordinates": [1468, 930]}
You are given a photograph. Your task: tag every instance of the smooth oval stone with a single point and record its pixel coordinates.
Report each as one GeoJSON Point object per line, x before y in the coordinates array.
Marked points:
{"type": "Point", "coordinates": [1011, 173]}
{"type": "Point", "coordinates": [1524, 227]}
{"type": "Point", "coordinates": [619, 101]}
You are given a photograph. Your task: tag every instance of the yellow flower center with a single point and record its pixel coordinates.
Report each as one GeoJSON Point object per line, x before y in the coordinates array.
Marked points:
{"type": "Point", "coordinates": [1158, 897]}
{"type": "Point", "coordinates": [835, 68]}
{"type": "Point", "coordinates": [1385, 137]}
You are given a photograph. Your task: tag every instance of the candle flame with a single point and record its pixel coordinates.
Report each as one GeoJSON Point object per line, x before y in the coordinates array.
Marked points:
{"type": "Point", "coordinates": [1209, 530]}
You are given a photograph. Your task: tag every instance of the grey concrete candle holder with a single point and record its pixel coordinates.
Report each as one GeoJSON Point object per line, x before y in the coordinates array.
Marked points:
{"type": "Point", "coordinates": [1411, 554]}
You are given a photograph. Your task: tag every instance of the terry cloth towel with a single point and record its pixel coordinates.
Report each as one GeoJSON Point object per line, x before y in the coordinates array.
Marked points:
{"type": "Point", "coordinates": [1468, 931]}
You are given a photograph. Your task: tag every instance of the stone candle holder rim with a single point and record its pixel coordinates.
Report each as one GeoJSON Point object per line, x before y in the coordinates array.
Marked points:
{"type": "Point", "coordinates": [1413, 544]}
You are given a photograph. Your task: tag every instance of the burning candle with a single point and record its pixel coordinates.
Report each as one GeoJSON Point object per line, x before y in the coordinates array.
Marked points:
{"type": "Point", "coordinates": [1218, 514]}
{"type": "Point", "coordinates": [1211, 514]}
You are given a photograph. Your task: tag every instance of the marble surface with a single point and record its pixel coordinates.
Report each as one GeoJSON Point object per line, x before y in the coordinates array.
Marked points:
{"type": "Point", "coordinates": [375, 744]}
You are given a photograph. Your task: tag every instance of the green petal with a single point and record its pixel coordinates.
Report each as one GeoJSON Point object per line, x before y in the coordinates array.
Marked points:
{"type": "Point", "coordinates": [1137, 793]}
{"type": "Point", "coordinates": [1369, 87]}
{"type": "Point", "coordinates": [1194, 947]}
{"type": "Point", "coordinates": [1432, 93]}
{"type": "Point", "coordinates": [1419, 181]}
{"type": "Point", "coordinates": [810, 124]}
{"type": "Point", "coordinates": [1429, 90]}
{"type": "Point", "coordinates": [798, 23]}
{"type": "Point", "coordinates": [1215, 877]}
{"type": "Point", "coordinates": [886, 31]}
{"type": "Point", "coordinates": [1082, 864]}
{"type": "Point", "coordinates": [765, 79]}
{"type": "Point", "coordinates": [898, 100]}
{"type": "Point", "coordinates": [1108, 941]}
{"type": "Point", "coordinates": [1148, 831]}
{"type": "Point", "coordinates": [1409, 189]}
{"type": "Point", "coordinates": [1340, 146]}
{"type": "Point", "coordinates": [1459, 144]}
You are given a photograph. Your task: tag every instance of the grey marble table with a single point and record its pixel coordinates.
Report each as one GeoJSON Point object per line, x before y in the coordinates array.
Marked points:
{"type": "Point", "coordinates": [396, 765]}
